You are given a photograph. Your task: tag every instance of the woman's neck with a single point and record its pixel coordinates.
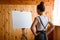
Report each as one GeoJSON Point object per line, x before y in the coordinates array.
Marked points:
{"type": "Point", "coordinates": [40, 13]}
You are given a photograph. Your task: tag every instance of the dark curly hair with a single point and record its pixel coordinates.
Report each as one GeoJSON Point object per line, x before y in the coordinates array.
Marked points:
{"type": "Point", "coordinates": [41, 6]}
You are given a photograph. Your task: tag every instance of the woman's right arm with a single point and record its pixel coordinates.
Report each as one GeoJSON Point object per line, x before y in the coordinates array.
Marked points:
{"type": "Point", "coordinates": [34, 25]}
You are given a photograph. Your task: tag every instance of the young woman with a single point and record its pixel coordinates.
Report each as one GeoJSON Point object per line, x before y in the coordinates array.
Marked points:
{"type": "Point", "coordinates": [40, 23]}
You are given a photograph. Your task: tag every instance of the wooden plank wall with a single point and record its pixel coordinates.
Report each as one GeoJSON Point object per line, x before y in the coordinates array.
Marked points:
{"type": "Point", "coordinates": [7, 32]}
{"type": "Point", "coordinates": [35, 2]}
{"type": "Point", "coordinates": [57, 33]}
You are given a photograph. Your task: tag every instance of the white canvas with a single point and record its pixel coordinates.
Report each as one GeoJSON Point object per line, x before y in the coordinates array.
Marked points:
{"type": "Point", "coordinates": [21, 19]}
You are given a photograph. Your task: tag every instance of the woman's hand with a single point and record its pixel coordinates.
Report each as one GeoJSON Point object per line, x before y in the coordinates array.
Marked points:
{"type": "Point", "coordinates": [48, 33]}
{"type": "Point", "coordinates": [37, 34]}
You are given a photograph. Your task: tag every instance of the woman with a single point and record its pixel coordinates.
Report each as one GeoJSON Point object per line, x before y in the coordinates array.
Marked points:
{"type": "Point", "coordinates": [40, 23]}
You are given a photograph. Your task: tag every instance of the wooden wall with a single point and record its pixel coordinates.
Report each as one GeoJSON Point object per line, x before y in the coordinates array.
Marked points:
{"type": "Point", "coordinates": [57, 33]}
{"type": "Point", "coordinates": [30, 2]}
{"type": "Point", "coordinates": [7, 32]}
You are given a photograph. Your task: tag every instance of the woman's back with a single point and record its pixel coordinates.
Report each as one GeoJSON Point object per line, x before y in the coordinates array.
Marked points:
{"type": "Point", "coordinates": [44, 20]}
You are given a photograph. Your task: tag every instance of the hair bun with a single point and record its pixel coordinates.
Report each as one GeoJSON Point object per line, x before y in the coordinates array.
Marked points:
{"type": "Point", "coordinates": [41, 3]}
{"type": "Point", "coordinates": [41, 6]}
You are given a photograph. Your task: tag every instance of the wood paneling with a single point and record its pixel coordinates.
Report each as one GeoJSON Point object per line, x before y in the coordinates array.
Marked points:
{"type": "Point", "coordinates": [25, 2]}
{"type": "Point", "coordinates": [57, 33]}
{"type": "Point", "coordinates": [7, 32]}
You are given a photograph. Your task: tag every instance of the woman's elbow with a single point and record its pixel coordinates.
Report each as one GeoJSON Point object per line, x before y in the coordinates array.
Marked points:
{"type": "Point", "coordinates": [31, 28]}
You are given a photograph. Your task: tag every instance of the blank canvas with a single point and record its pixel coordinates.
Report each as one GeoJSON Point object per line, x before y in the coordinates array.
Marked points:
{"type": "Point", "coordinates": [21, 19]}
